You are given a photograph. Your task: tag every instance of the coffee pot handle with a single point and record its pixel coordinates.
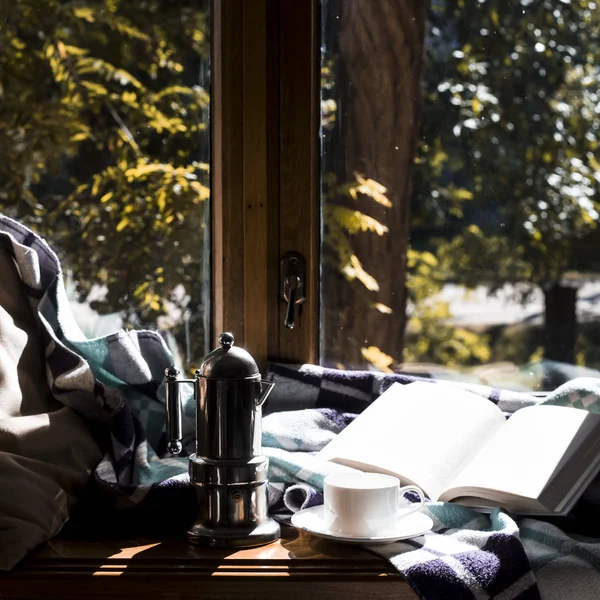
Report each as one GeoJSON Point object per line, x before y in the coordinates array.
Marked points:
{"type": "Point", "coordinates": [266, 387]}
{"type": "Point", "coordinates": [173, 405]}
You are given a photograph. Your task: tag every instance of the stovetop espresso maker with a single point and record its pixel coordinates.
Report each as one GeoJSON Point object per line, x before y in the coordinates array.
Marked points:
{"type": "Point", "coordinates": [228, 469]}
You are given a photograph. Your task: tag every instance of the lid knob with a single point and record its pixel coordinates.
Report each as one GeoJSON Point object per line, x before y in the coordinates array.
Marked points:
{"type": "Point", "coordinates": [226, 340]}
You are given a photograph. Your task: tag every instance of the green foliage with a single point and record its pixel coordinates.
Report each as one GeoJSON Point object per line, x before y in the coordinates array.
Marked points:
{"type": "Point", "coordinates": [341, 223]}
{"type": "Point", "coordinates": [431, 338]}
{"type": "Point", "coordinates": [507, 171]}
{"type": "Point", "coordinates": [512, 114]}
{"type": "Point", "coordinates": [518, 344]}
{"type": "Point", "coordinates": [101, 121]}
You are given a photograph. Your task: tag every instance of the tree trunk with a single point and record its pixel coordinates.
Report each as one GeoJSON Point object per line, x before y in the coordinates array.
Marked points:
{"type": "Point", "coordinates": [560, 323]}
{"type": "Point", "coordinates": [378, 87]}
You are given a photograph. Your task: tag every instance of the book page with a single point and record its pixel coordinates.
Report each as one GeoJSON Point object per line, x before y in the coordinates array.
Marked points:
{"type": "Point", "coordinates": [424, 433]}
{"type": "Point", "coordinates": [522, 457]}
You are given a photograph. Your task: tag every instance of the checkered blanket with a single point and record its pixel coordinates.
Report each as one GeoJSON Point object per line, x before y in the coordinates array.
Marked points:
{"type": "Point", "coordinates": [115, 382]}
{"type": "Point", "coordinates": [467, 554]}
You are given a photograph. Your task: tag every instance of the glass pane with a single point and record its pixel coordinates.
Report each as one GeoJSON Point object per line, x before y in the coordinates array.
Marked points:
{"type": "Point", "coordinates": [104, 121]}
{"type": "Point", "coordinates": [491, 202]}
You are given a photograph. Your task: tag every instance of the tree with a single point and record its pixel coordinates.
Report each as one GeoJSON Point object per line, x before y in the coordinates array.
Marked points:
{"type": "Point", "coordinates": [102, 126]}
{"type": "Point", "coordinates": [374, 60]}
{"type": "Point", "coordinates": [507, 173]}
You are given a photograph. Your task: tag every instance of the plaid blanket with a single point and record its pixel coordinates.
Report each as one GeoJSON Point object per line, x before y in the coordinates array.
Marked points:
{"type": "Point", "coordinates": [467, 554]}
{"type": "Point", "coordinates": [115, 382]}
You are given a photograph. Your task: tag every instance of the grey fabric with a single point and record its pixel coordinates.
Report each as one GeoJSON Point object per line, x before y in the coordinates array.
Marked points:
{"type": "Point", "coordinates": [46, 451]}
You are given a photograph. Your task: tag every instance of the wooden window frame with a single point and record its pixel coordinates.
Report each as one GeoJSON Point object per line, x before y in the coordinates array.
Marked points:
{"type": "Point", "coordinates": [265, 171]}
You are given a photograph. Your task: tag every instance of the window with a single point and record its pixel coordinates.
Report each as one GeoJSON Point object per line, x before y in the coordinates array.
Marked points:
{"type": "Point", "coordinates": [105, 111]}
{"type": "Point", "coordinates": [435, 166]}
{"type": "Point", "coordinates": [500, 279]}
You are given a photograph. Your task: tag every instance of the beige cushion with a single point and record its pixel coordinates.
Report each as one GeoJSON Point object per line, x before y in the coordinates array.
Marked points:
{"type": "Point", "coordinates": [46, 451]}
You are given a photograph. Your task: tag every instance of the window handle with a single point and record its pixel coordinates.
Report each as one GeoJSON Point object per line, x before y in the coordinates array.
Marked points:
{"type": "Point", "coordinates": [293, 284]}
{"type": "Point", "coordinates": [293, 293]}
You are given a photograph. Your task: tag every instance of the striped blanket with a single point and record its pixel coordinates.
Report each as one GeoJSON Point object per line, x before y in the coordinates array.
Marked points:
{"type": "Point", "coordinates": [114, 382]}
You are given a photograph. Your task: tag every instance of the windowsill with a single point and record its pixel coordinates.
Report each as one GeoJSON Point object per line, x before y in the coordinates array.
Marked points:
{"type": "Point", "coordinates": [152, 568]}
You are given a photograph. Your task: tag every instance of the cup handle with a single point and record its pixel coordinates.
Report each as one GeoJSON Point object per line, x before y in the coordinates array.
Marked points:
{"type": "Point", "coordinates": [415, 506]}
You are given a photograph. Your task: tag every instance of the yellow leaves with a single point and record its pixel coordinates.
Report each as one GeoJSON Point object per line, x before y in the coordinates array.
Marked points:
{"type": "Point", "coordinates": [141, 289]}
{"type": "Point", "coordinates": [161, 122]}
{"type": "Point", "coordinates": [382, 308]}
{"type": "Point", "coordinates": [96, 181]}
{"type": "Point", "coordinates": [354, 221]}
{"type": "Point", "coordinates": [355, 270]}
{"type": "Point", "coordinates": [95, 88]}
{"type": "Point", "coordinates": [79, 137]}
{"type": "Point", "coordinates": [129, 98]}
{"type": "Point", "coordinates": [142, 170]}
{"type": "Point", "coordinates": [148, 297]}
{"type": "Point", "coordinates": [126, 78]}
{"type": "Point", "coordinates": [427, 258]}
{"type": "Point", "coordinates": [60, 47]}
{"type": "Point", "coordinates": [433, 339]}
{"type": "Point", "coordinates": [495, 17]}
{"type": "Point", "coordinates": [84, 13]}
{"type": "Point", "coordinates": [123, 223]}
{"type": "Point", "coordinates": [99, 67]}
{"type": "Point", "coordinates": [106, 198]}
{"type": "Point", "coordinates": [49, 51]}
{"type": "Point", "coordinates": [371, 188]}
{"type": "Point", "coordinates": [198, 36]}
{"type": "Point", "coordinates": [155, 303]}
{"type": "Point", "coordinates": [174, 90]}
{"type": "Point", "coordinates": [367, 223]}
{"type": "Point", "coordinates": [461, 194]}
{"type": "Point", "coordinates": [377, 358]}
{"type": "Point", "coordinates": [67, 51]}
{"type": "Point", "coordinates": [424, 278]}
{"type": "Point", "coordinates": [438, 159]}
{"type": "Point", "coordinates": [17, 44]}
{"type": "Point", "coordinates": [537, 355]}
{"type": "Point", "coordinates": [125, 27]}
{"type": "Point", "coordinates": [341, 222]}
{"type": "Point", "coordinates": [594, 164]}
{"type": "Point", "coordinates": [203, 192]}
{"type": "Point", "coordinates": [161, 200]}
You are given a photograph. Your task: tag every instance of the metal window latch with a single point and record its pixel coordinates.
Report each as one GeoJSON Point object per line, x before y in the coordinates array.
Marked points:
{"type": "Point", "coordinates": [293, 291]}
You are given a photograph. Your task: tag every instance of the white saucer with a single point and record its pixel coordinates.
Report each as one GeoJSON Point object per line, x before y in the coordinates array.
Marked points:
{"type": "Point", "coordinates": [312, 521]}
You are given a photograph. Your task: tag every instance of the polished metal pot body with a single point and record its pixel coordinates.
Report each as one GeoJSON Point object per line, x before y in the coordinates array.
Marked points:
{"type": "Point", "coordinates": [228, 470]}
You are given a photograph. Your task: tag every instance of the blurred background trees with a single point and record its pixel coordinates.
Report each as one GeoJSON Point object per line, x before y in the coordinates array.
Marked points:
{"type": "Point", "coordinates": [104, 149]}
{"type": "Point", "coordinates": [506, 174]}
{"type": "Point", "coordinates": [511, 117]}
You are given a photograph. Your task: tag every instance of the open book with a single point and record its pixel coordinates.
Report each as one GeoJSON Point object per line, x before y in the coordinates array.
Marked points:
{"type": "Point", "coordinates": [459, 447]}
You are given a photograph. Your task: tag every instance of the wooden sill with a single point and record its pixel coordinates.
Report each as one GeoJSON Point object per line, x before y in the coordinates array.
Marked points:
{"type": "Point", "coordinates": [297, 565]}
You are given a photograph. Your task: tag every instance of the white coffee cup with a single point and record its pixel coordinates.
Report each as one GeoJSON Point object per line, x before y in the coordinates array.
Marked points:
{"type": "Point", "coordinates": [366, 504]}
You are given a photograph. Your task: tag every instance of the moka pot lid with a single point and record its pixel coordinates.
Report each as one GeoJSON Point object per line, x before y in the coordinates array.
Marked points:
{"type": "Point", "coordinates": [228, 362]}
